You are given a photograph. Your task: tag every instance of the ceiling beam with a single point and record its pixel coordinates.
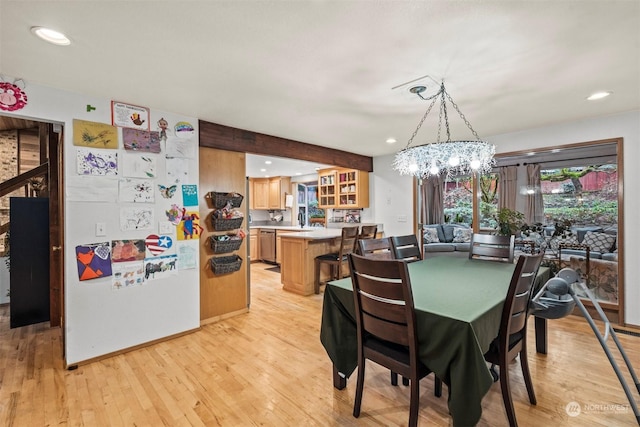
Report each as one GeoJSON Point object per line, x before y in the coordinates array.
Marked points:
{"type": "Point", "coordinates": [222, 137]}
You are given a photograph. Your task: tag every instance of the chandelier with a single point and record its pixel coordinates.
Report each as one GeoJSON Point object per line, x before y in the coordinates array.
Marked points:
{"type": "Point", "coordinates": [448, 157]}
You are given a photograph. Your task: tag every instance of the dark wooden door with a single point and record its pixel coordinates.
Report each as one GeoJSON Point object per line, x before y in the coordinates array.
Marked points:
{"type": "Point", "coordinates": [53, 137]}
{"type": "Point", "coordinates": [29, 272]}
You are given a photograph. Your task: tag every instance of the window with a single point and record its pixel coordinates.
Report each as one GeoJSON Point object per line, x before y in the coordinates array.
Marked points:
{"type": "Point", "coordinates": [458, 200]}
{"type": "Point", "coordinates": [584, 195]}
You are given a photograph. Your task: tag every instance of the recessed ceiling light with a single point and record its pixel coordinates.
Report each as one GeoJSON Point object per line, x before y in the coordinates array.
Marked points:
{"type": "Point", "coordinates": [267, 162]}
{"type": "Point", "coordinates": [391, 141]}
{"type": "Point", "coordinates": [263, 170]}
{"type": "Point", "coordinates": [51, 36]}
{"type": "Point", "coordinates": [298, 173]}
{"type": "Point", "coordinates": [598, 95]}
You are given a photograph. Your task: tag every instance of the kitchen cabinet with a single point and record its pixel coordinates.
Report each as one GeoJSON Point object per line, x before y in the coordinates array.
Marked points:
{"type": "Point", "coordinates": [326, 188]}
{"type": "Point", "coordinates": [279, 233]}
{"type": "Point", "coordinates": [278, 188]}
{"type": "Point", "coordinates": [260, 193]}
{"type": "Point", "coordinates": [253, 244]}
{"type": "Point", "coordinates": [269, 193]}
{"type": "Point", "coordinates": [343, 188]}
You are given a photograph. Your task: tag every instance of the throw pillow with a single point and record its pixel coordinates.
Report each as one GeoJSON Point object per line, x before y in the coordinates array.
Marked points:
{"type": "Point", "coordinates": [431, 235]}
{"type": "Point", "coordinates": [462, 235]}
{"type": "Point", "coordinates": [569, 240]}
{"type": "Point", "coordinates": [599, 242]}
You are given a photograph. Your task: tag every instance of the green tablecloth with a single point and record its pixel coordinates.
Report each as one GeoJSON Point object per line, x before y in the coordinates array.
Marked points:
{"type": "Point", "coordinates": [458, 309]}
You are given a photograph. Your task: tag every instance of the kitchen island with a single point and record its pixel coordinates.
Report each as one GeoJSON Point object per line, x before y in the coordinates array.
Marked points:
{"type": "Point", "coordinates": [299, 251]}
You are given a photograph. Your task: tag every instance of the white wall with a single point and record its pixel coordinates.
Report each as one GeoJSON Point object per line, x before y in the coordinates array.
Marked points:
{"type": "Point", "coordinates": [392, 192]}
{"type": "Point", "coordinates": [391, 197]}
{"type": "Point", "coordinates": [98, 319]}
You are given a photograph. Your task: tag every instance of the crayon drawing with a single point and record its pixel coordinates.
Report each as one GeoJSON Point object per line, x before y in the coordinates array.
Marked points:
{"type": "Point", "coordinates": [97, 162]}
{"type": "Point", "coordinates": [140, 140]}
{"type": "Point", "coordinates": [127, 274]}
{"type": "Point", "coordinates": [189, 227]}
{"type": "Point", "coordinates": [160, 267]}
{"type": "Point", "coordinates": [177, 171]}
{"type": "Point", "coordinates": [187, 255]}
{"type": "Point", "coordinates": [190, 195]}
{"type": "Point", "coordinates": [94, 260]}
{"type": "Point", "coordinates": [138, 166]}
{"type": "Point", "coordinates": [127, 250]}
{"type": "Point", "coordinates": [177, 147]}
{"type": "Point", "coordinates": [136, 190]}
{"type": "Point", "coordinates": [136, 219]}
{"type": "Point", "coordinates": [94, 135]}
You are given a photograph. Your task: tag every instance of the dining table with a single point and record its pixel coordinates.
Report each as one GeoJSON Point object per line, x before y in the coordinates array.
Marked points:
{"type": "Point", "coordinates": [458, 304]}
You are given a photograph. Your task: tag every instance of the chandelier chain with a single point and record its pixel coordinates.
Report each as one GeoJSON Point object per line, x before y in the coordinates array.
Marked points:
{"type": "Point", "coordinates": [462, 116]}
{"type": "Point", "coordinates": [415, 132]}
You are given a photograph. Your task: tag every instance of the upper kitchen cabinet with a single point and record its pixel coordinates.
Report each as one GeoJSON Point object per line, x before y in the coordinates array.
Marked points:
{"type": "Point", "coordinates": [326, 188]}
{"type": "Point", "coordinates": [343, 188]}
{"type": "Point", "coordinates": [279, 186]}
{"type": "Point", "coordinates": [270, 193]}
{"type": "Point", "coordinates": [260, 195]}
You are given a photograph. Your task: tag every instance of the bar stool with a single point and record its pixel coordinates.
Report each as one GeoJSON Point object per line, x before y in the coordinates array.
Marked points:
{"type": "Point", "coordinates": [366, 232]}
{"type": "Point", "coordinates": [336, 259]}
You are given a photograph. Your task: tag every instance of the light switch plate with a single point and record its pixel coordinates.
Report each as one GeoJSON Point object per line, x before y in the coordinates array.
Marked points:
{"type": "Point", "coordinates": [402, 218]}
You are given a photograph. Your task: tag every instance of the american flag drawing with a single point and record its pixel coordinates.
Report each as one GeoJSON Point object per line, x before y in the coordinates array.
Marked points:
{"type": "Point", "coordinates": [157, 244]}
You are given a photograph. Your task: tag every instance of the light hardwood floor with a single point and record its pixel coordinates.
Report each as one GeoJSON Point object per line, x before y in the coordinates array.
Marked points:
{"type": "Point", "coordinates": [268, 368]}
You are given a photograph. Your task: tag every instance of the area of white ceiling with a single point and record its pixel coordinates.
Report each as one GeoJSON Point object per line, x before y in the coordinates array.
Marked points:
{"type": "Point", "coordinates": [257, 166]}
{"type": "Point", "coordinates": [322, 72]}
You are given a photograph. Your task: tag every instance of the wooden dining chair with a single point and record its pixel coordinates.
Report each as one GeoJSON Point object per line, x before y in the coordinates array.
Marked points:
{"type": "Point", "coordinates": [376, 248]}
{"type": "Point", "coordinates": [336, 259]}
{"type": "Point", "coordinates": [406, 248]}
{"type": "Point", "coordinates": [492, 247]}
{"type": "Point", "coordinates": [512, 336]}
{"type": "Point", "coordinates": [366, 232]}
{"type": "Point", "coordinates": [386, 325]}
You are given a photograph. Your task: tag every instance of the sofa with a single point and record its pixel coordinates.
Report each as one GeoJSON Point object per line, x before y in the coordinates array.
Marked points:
{"type": "Point", "coordinates": [451, 239]}
{"type": "Point", "coordinates": [602, 243]}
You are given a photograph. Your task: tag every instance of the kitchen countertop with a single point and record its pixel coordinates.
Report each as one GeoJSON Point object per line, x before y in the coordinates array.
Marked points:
{"type": "Point", "coordinates": [284, 227]}
{"type": "Point", "coordinates": [317, 234]}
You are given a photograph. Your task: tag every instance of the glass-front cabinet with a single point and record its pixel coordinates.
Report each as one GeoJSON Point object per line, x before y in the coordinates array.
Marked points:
{"type": "Point", "coordinates": [343, 188]}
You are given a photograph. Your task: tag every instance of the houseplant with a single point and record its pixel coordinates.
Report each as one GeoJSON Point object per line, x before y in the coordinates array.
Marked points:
{"type": "Point", "coordinates": [509, 221]}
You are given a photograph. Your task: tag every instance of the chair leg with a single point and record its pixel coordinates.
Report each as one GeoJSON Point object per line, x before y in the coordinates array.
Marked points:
{"type": "Point", "coordinates": [437, 386]}
{"type": "Point", "coordinates": [394, 379]}
{"type": "Point", "coordinates": [414, 404]}
{"type": "Point", "coordinates": [316, 283]}
{"type": "Point", "coordinates": [405, 381]}
{"type": "Point", "coordinates": [506, 393]}
{"type": "Point", "coordinates": [524, 364]}
{"type": "Point", "coordinates": [359, 386]}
